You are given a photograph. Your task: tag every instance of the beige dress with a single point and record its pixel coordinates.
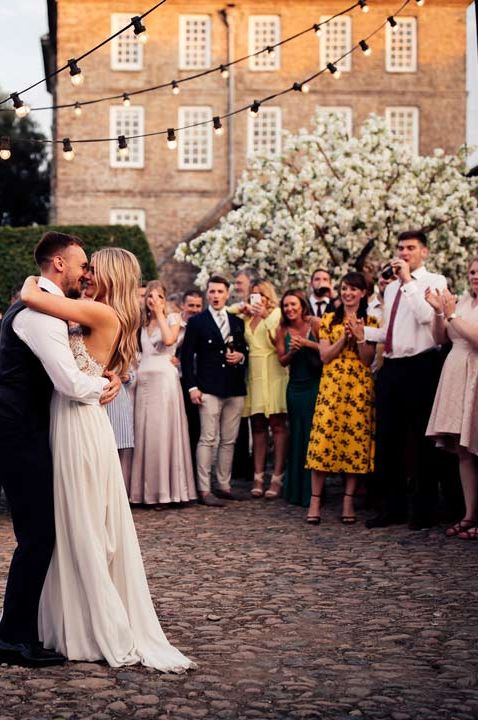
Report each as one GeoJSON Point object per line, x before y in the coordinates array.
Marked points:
{"type": "Point", "coordinates": [162, 466]}
{"type": "Point", "coordinates": [454, 417]}
{"type": "Point", "coordinates": [95, 602]}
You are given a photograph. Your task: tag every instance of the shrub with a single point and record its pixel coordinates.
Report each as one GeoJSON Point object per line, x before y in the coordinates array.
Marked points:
{"type": "Point", "coordinates": [16, 250]}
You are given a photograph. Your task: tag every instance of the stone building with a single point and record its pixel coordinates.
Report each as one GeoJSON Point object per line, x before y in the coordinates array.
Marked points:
{"type": "Point", "coordinates": [415, 76]}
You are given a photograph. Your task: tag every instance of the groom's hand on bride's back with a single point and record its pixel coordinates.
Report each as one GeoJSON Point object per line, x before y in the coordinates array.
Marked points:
{"type": "Point", "coordinates": [112, 389]}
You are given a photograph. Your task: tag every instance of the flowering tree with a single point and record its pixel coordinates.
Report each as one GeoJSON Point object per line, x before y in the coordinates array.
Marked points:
{"type": "Point", "coordinates": [329, 199]}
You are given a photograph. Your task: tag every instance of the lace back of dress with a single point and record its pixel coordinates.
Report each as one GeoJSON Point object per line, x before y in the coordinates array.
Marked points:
{"type": "Point", "coordinates": [85, 362]}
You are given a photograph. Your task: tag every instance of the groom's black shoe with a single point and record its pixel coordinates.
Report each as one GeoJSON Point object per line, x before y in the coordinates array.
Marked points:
{"type": "Point", "coordinates": [29, 655]}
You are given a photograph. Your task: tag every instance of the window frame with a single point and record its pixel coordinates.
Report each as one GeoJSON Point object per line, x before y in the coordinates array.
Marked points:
{"type": "Point", "coordinates": [182, 138]}
{"type": "Point", "coordinates": [182, 46]}
{"type": "Point", "coordinates": [114, 62]}
{"type": "Point", "coordinates": [276, 61]}
{"type": "Point", "coordinates": [140, 211]}
{"type": "Point", "coordinates": [116, 110]}
{"type": "Point", "coordinates": [278, 112]}
{"type": "Point", "coordinates": [389, 36]}
{"type": "Point", "coordinates": [415, 146]}
{"type": "Point", "coordinates": [345, 65]}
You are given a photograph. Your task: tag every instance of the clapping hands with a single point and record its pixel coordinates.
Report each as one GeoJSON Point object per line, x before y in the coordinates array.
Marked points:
{"type": "Point", "coordinates": [443, 302]}
{"type": "Point", "coordinates": [355, 328]}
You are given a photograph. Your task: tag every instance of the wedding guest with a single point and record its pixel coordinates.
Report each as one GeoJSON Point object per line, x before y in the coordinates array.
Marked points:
{"type": "Point", "coordinates": [242, 284]}
{"type": "Point", "coordinates": [162, 469]}
{"type": "Point", "coordinates": [453, 424]}
{"type": "Point", "coordinates": [265, 403]}
{"type": "Point", "coordinates": [406, 386]}
{"type": "Point", "coordinates": [323, 296]}
{"type": "Point", "coordinates": [192, 304]}
{"type": "Point", "coordinates": [341, 439]}
{"type": "Point", "coordinates": [213, 364]}
{"type": "Point", "coordinates": [298, 349]}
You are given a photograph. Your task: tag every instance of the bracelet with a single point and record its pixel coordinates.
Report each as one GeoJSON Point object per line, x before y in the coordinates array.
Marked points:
{"type": "Point", "coordinates": [361, 342]}
{"type": "Point", "coordinates": [442, 314]}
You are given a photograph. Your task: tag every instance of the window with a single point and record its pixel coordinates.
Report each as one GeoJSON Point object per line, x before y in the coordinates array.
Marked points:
{"type": "Point", "coordinates": [403, 122]}
{"type": "Point", "coordinates": [128, 216]}
{"type": "Point", "coordinates": [195, 143]}
{"type": "Point", "coordinates": [264, 132]}
{"type": "Point", "coordinates": [194, 42]}
{"type": "Point", "coordinates": [264, 31]}
{"type": "Point", "coordinates": [343, 113]}
{"type": "Point", "coordinates": [401, 46]}
{"type": "Point", "coordinates": [127, 121]}
{"type": "Point", "coordinates": [126, 49]}
{"type": "Point", "coordinates": [335, 40]}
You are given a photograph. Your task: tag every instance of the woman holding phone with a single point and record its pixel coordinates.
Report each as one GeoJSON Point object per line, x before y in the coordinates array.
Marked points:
{"type": "Point", "coordinates": [265, 403]}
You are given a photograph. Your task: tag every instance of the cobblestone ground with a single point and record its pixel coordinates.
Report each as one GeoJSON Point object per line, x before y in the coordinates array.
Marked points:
{"type": "Point", "coordinates": [285, 621]}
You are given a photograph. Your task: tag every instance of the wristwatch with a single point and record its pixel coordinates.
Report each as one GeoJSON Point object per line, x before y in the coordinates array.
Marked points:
{"type": "Point", "coordinates": [452, 316]}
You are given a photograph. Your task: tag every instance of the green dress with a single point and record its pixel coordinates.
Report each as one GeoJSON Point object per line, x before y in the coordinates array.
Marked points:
{"type": "Point", "coordinates": [302, 390]}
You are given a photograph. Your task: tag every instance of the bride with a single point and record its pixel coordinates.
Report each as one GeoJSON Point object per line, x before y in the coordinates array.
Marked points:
{"type": "Point", "coordinates": [96, 603]}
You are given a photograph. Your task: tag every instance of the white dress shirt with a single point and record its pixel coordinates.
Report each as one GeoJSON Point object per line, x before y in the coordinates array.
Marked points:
{"type": "Point", "coordinates": [412, 329]}
{"type": "Point", "coordinates": [217, 314]}
{"type": "Point", "coordinates": [47, 338]}
{"type": "Point", "coordinates": [317, 304]}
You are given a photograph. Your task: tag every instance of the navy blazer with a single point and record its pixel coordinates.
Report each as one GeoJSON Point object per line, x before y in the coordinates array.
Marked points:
{"type": "Point", "coordinates": [203, 357]}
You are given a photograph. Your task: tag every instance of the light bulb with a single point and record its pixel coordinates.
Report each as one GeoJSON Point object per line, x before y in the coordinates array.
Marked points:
{"type": "Point", "coordinates": [126, 100]}
{"type": "Point", "coordinates": [68, 152]}
{"type": "Point", "coordinates": [317, 30]}
{"type": "Point", "coordinates": [254, 108]}
{"type": "Point", "coordinates": [366, 49]}
{"type": "Point", "coordinates": [77, 109]}
{"type": "Point", "coordinates": [77, 80]}
{"type": "Point", "coordinates": [224, 72]}
{"type": "Point", "coordinates": [5, 151]}
{"type": "Point", "coordinates": [175, 87]}
{"type": "Point", "coordinates": [123, 150]}
{"type": "Point", "coordinates": [143, 38]}
{"type": "Point", "coordinates": [420, 3]}
{"type": "Point", "coordinates": [171, 140]}
{"type": "Point", "coordinates": [5, 154]}
{"type": "Point", "coordinates": [22, 111]}
{"type": "Point", "coordinates": [363, 6]}
{"type": "Point", "coordinates": [218, 129]}
{"type": "Point", "coordinates": [76, 75]}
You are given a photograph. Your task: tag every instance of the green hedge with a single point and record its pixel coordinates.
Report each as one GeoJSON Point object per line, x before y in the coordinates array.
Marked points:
{"type": "Point", "coordinates": [16, 250]}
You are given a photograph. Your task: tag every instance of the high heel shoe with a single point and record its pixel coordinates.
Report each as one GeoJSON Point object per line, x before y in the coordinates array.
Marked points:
{"type": "Point", "coordinates": [314, 519]}
{"type": "Point", "coordinates": [348, 519]}
{"type": "Point", "coordinates": [258, 486]}
{"type": "Point", "coordinates": [275, 488]}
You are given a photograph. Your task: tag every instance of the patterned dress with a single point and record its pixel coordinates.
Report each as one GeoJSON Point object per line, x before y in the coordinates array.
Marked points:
{"type": "Point", "coordinates": [341, 439]}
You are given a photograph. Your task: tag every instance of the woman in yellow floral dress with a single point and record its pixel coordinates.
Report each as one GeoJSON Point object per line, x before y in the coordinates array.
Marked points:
{"type": "Point", "coordinates": [341, 439]}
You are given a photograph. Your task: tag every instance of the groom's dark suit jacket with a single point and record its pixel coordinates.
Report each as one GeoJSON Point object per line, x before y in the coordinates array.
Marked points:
{"type": "Point", "coordinates": [203, 357]}
{"type": "Point", "coordinates": [27, 478]}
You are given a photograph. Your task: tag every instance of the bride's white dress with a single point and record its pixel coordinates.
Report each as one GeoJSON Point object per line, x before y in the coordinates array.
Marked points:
{"type": "Point", "coordinates": [96, 603]}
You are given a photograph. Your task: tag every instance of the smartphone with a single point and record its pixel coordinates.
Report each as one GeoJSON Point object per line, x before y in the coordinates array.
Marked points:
{"type": "Point", "coordinates": [255, 298]}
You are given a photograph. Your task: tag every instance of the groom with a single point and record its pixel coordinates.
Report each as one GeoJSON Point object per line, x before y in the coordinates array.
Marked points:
{"type": "Point", "coordinates": [35, 357]}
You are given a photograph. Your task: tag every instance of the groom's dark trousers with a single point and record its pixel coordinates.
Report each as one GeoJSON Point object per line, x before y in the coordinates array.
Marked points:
{"type": "Point", "coordinates": [26, 475]}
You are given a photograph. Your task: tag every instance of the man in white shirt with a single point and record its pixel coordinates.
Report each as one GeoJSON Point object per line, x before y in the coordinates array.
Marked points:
{"type": "Point", "coordinates": [35, 357]}
{"type": "Point", "coordinates": [406, 386]}
{"type": "Point", "coordinates": [323, 294]}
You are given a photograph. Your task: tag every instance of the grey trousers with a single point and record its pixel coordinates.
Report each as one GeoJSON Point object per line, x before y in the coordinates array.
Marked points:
{"type": "Point", "coordinates": [220, 419]}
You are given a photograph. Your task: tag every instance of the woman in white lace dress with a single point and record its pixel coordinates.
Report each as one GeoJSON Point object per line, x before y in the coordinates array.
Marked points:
{"type": "Point", "coordinates": [162, 467]}
{"type": "Point", "coordinates": [96, 602]}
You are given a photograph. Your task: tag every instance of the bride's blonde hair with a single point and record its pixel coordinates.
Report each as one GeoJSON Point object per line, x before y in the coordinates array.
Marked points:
{"type": "Point", "coordinates": [118, 276]}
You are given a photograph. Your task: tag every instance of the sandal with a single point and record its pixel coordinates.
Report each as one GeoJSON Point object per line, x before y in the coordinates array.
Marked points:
{"type": "Point", "coordinates": [275, 488]}
{"type": "Point", "coordinates": [348, 519]}
{"type": "Point", "coordinates": [314, 519]}
{"type": "Point", "coordinates": [459, 527]}
{"type": "Point", "coordinates": [470, 534]}
{"type": "Point", "coordinates": [258, 486]}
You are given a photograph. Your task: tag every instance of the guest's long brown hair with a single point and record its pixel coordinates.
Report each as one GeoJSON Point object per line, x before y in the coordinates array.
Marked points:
{"type": "Point", "coordinates": [304, 303]}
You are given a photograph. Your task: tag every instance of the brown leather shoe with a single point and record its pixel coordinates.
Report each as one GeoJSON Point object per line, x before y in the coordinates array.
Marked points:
{"type": "Point", "coordinates": [229, 494]}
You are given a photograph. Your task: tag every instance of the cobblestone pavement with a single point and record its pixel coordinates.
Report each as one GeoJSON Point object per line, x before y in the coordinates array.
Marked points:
{"type": "Point", "coordinates": [285, 621]}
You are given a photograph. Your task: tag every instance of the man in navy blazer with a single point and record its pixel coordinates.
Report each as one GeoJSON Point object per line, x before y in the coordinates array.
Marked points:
{"type": "Point", "coordinates": [213, 358]}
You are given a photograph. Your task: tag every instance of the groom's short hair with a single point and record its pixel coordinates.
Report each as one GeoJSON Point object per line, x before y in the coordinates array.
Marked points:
{"type": "Point", "coordinates": [51, 244]}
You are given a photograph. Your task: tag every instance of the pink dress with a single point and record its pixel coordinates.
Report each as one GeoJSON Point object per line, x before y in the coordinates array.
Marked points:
{"type": "Point", "coordinates": [454, 417]}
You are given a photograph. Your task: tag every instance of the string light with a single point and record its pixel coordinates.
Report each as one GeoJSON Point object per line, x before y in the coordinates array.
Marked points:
{"type": "Point", "coordinates": [334, 70]}
{"type": "Point", "coordinates": [5, 149]}
{"type": "Point", "coordinates": [317, 29]}
{"type": "Point", "coordinates": [172, 142]}
{"type": "Point", "coordinates": [68, 152]}
{"type": "Point", "coordinates": [224, 71]}
{"type": "Point", "coordinates": [218, 129]}
{"type": "Point", "coordinates": [126, 100]}
{"type": "Point", "coordinates": [123, 151]}
{"type": "Point", "coordinates": [271, 51]}
{"type": "Point", "coordinates": [366, 49]}
{"type": "Point", "coordinates": [175, 87]}
{"type": "Point", "coordinates": [139, 29]}
{"type": "Point", "coordinates": [254, 108]}
{"type": "Point", "coordinates": [76, 76]}
{"type": "Point", "coordinates": [392, 22]}
{"type": "Point", "coordinates": [363, 6]}
{"type": "Point", "coordinates": [77, 109]}
{"type": "Point", "coordinates": [420, 3]}
{"type": "Point", "coordinates": [21, 109]}
{"type": "Point", "coordinates": [301, 87]}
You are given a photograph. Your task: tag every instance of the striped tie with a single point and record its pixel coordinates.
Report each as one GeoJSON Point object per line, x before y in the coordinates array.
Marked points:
{"type": "Point", "coordinates": [223, 324]}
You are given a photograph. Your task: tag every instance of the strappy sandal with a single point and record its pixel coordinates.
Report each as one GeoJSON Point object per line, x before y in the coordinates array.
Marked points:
{"type": "Point", "coordinates": [459, 527]}
{"type": "Point", "coordinates": [348, 519]}
{"type": "Point", "coordinates": [313, 519]}
{"type": "Point", "coordinates": [258, 486]}
{"type": "Point", "coordinates": [470, 534]}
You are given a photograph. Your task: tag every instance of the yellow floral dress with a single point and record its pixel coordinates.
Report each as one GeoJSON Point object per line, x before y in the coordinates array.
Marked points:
{"type": "Point", "coordinates": [342, 435]}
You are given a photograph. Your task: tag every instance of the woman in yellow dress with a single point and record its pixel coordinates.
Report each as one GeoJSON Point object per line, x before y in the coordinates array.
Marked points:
{"type": "Point", "coordinates": [341, 439]}
{"type": "Point", "coordinates": [265, 403]}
